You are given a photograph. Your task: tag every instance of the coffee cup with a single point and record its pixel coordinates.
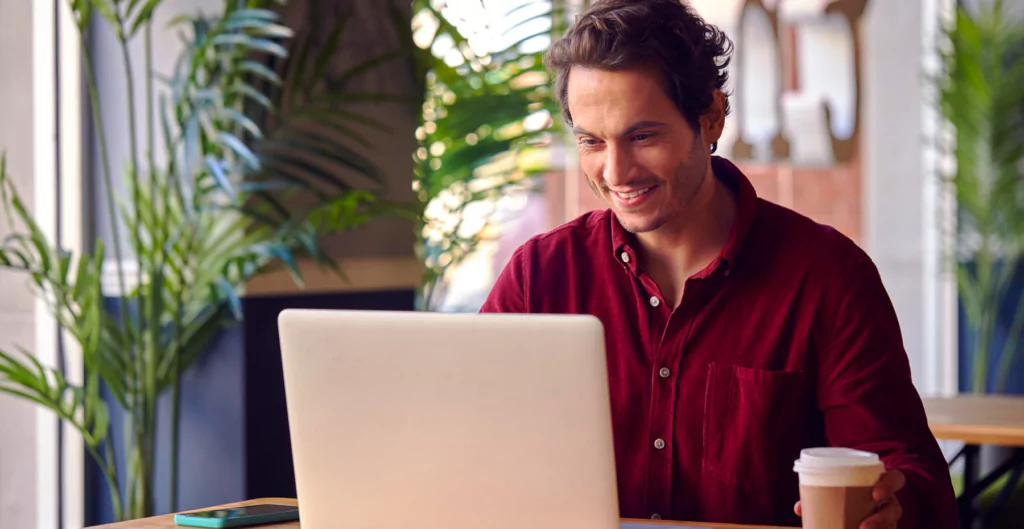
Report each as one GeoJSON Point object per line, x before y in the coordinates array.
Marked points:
{"type": "Point", "coordinates": [836, 486]}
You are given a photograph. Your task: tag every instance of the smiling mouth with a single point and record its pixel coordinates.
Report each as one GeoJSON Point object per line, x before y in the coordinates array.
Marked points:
{"type": "Point", "coordinates": [634, 194]}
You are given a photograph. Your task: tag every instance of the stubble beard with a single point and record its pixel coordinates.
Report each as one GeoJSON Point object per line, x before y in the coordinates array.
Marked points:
{"type": "Point", "coordinates": [683, 175]}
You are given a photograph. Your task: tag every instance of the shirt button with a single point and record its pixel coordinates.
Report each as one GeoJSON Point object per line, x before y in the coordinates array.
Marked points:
{"type": "Point", "coordinates": [659, 443]}
{"type": "Point", "coordinates": [655, 301]}
{"type": "Point", "coordinates": [655, 516]}
{"type": "Point", "coordinates": [625, 257]}
{"type": "Point", "coordinates": [664, 372]}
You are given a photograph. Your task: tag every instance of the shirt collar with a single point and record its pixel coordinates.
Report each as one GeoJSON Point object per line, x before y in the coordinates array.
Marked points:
{"type": "Point", "coordinates": [746, 202]}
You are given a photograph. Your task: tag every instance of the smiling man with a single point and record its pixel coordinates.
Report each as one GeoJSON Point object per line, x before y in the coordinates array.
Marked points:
{"type": "Point", "coordinates": [738, 332]}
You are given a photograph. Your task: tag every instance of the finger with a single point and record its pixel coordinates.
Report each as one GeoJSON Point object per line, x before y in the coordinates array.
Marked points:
{"type": "Point", "coordinates": [885, 518]}
{"type": "Point", "coordinates": [888, 485]}
{"type": "Point", "coordinates": [796, 508]}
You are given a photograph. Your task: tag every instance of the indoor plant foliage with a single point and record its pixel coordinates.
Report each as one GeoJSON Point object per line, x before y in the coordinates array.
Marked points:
{"type": "Point", "coordinates": [314, 112]}
{"type": "Point", "coordinates": [982, 98]}
{"type": "Point", "coordinates": [199, 223]}
{"type": "Point", "coordinates": [485, 120]}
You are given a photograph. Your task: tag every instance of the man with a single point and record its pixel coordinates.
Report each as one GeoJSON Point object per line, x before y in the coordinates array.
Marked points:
{"type": "Point", "coordinates": [737, 331]}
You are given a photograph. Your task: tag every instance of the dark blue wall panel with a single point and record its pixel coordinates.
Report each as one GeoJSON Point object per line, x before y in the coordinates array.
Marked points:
{"type": "Point", "coordinates": [234, 425]}
{"type": "Point", "coordinates": [268, 446]}
{"type": "Point", "coordinates": [1015, 380]}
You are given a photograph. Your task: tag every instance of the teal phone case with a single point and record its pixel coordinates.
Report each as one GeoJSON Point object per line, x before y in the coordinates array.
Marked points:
{"type": "Point", "coordinates": [241, 521]}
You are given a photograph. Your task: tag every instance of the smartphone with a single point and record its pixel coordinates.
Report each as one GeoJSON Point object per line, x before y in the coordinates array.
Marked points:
{"type": "Point", "coordinates": [239, 516]}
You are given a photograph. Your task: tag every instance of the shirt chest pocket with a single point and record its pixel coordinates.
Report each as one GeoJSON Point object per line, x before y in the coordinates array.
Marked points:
{"type": "Point", "coordinates": [755, 424]}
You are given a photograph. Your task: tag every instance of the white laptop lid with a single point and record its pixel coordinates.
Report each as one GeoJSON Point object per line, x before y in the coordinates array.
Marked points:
{"type": "Point", "coordinates": [409, 420]}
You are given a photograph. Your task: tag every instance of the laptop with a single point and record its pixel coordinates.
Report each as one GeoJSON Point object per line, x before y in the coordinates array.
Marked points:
{"type": "Point", "coordinates": [413, 420]}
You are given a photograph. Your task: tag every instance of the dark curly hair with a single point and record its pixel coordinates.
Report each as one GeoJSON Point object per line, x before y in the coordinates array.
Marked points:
{"type": "Point", "coordinates": [666, 34]}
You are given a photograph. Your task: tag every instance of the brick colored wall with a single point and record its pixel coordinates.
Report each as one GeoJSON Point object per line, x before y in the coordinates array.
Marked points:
{"type": "Point", "coordinates": [829, 195]}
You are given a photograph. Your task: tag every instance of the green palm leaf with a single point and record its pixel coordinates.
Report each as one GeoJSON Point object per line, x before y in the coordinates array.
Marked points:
{"type": "Point", "coordinates": [982, 95]}
{"type": "Point", "coordinates": [144, 16]}
{"type": "Point", "coordinates": [328, 51]}
{"type": "Point", "coordinates": [474, 119]}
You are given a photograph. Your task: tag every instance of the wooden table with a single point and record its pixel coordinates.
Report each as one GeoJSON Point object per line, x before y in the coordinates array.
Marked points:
{"type": "Point", "coordinates": [167, 522]}
{"type": "Point", "coordinates": [979, 420]}
{"type": "Point", "coordinates": [973, 420]}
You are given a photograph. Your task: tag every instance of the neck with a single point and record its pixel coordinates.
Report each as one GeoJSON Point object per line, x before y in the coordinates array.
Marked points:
{"type": "Point", "coordinates": [691, 241]}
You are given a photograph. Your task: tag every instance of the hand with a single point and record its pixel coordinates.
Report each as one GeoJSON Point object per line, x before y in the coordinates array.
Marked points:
{"type": "Point", "coordinates": [889, 509]}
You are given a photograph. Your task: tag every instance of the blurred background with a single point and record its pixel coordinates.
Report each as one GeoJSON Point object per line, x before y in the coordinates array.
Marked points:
{"type": "Point", "coordinates": [177, 172]}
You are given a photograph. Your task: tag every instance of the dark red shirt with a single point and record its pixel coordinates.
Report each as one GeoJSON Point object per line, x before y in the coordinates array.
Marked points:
{"type": "Point", "coordinates": [786, 340]}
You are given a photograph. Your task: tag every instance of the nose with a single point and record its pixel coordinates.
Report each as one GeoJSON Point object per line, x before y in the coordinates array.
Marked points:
{"type": "Point", "coordinates": [618, 166]}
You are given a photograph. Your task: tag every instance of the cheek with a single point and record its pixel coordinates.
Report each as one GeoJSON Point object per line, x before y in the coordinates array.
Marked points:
{"type": "Point", "coordinates": [661, 161]}
{"type": "Point", "coordinates": [592, 164]}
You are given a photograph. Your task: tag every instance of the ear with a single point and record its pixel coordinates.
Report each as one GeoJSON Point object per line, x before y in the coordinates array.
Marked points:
{"type": "Point", "coordinates": [712, 121]}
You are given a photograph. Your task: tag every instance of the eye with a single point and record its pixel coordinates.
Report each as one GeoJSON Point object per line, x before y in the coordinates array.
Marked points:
{"type": "Point", "coordinates": [642, 136]}
{"type": "Point", "coordinates": [588, 142]}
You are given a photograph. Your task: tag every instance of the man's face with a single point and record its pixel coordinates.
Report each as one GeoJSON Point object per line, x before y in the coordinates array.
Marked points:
{"type": "Point", "coordinates": [636, 149]}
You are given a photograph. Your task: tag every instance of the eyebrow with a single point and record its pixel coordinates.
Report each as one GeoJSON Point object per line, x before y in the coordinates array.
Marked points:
{"type": "Point", "coordinates": [629, 130]}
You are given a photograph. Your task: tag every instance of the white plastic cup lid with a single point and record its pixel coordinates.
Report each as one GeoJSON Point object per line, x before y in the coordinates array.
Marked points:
{"type": "Point", "coordinates": [838, 467]}
{"type": "Point", "coordinates": [833, 459]}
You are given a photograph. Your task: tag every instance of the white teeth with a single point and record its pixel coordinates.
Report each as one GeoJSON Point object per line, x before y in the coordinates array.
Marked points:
{"type": "Point", "coordinates": [634, 194]}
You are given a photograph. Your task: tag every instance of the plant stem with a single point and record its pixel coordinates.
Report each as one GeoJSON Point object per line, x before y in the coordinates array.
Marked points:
{"type": "Point", "coordinates": [149, 461]}
{"type": "Point", "coordinates": [121, 509]}
{"type": "Point", "coordinates": [175, 420]}
{"type": "Point", "coordinates": [157, 241]}
{"type": "Point", "coordinates": [160, 243]}
{"type": "Point", "coordinates": [133, 141]}
{"type": "Point", "coordinates": [131, 475]}
{"type": "Point", "coordinates": [108, 181]}
{"type": "Point", "coordinates": [150, 115]}
{"type": "Point", "coordinates": [1009, 351]}
{"type": "Point", "coordinates": [983, 341]}
{"type": "Point", "coordinates": [175, 347]}
{"type": "Point", "coordinates": [139, 492]}
{"type": "Point", "coordinates": [108, 465]}
{"type": "Point", "coordinates": [141, 466]}
{"type": "Point", "coordinates": [981, 353]}
{"type": "Point", "coordinates": [145, 402]}
{"type": "Point", "coordinates": [111, 478]}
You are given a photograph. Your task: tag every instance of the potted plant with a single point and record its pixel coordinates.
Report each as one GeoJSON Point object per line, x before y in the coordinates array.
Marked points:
{"type": "Point", "coordinates": [227, 202]}
{"type": "Point", "coordinates": [981, 95]}
{"type": "Point", "coordinates": [476, 142]}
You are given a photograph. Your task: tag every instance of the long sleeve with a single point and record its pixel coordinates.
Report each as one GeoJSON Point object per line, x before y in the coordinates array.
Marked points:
{"type": "Point", "coordinates": [869, 402]}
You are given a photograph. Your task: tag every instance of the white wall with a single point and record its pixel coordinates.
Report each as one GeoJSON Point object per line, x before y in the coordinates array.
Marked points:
{"type": "Point", "coordinates": [902, 218]}
{"type": "Point", "coordinates": [17, 434]}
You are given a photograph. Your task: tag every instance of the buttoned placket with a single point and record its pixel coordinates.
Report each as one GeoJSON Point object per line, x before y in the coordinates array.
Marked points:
{"type": "Point", "coordinates": [663, 393]}
{"type": "Point", "coordinates": [667, 357]}
{"type": "Point", "coordinates": [662, 421]}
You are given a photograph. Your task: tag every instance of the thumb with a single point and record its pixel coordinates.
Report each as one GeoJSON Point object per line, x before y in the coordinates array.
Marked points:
{"type": "Point", "coordinates": [799, 511]}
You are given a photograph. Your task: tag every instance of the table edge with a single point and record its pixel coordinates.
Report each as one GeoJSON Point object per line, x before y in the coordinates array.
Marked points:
{"type": "Point", "coordinates": [294, 501]}
{"type": "Point", "coordinates": [977, 434]}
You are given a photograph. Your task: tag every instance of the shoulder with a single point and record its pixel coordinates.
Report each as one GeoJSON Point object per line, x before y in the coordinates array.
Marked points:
{"type": "Point", "coordinates": [811, 254]}
{"type": "Point", "coordinates": [803, 241]}
{"type": "Point", "coordinates": [834, 276]}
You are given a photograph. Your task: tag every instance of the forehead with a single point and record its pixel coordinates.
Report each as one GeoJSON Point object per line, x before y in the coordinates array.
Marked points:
{"type": "Point", "coordinates": [606, 101]}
